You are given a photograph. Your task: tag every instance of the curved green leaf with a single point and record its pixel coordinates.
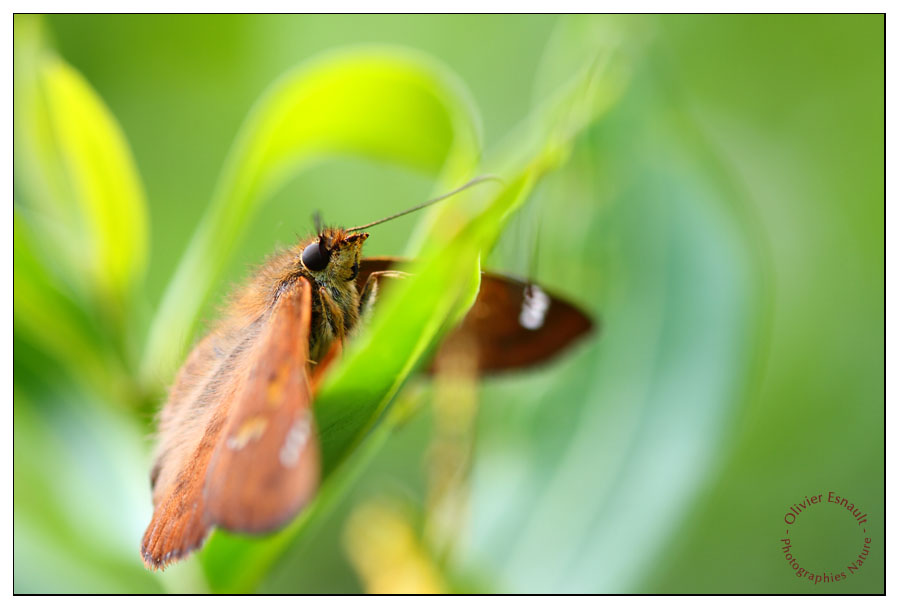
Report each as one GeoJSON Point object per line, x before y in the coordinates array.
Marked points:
{"type": "Point", "coordinates": [77, 173]}
{"type": "Point", "coordinates": [102, 175]}
{"type": "Point", "coordinates": [379, 103]}
{"type": "Point", "coordinates": [668, 259]}
{"type": "Point", "coordinates": [409, 323]}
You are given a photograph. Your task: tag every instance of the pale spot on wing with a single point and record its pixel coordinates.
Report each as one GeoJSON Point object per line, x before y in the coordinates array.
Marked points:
{"type": "Point", "coordinates": [295, 440]}
{"type": "Point", "coordinates": [251, 429]}
{"type": "Point", "coordinates": [534, 307]}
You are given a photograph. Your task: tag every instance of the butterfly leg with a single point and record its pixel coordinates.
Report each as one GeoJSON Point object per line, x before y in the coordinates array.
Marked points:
{"type": "Point", "coordinates": [370, 291]}
{"type": "Point", "coordinates": [333, 313]}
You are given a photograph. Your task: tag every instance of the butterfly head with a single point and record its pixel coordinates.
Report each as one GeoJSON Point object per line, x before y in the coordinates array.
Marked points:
{"type": "Point", "coordinates": [333, 256]}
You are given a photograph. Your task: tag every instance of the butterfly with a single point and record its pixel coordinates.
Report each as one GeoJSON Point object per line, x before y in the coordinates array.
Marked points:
{"type": "Point", "coordinates": [237, 446]}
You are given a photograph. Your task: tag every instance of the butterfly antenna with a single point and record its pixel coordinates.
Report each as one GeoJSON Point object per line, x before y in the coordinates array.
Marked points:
{"type": "Point", "coordinates": [535, 254]}
{"type": "Point", "coordinates": [317, 222]}
{"type": "Point", "coordinates": [468, 184]}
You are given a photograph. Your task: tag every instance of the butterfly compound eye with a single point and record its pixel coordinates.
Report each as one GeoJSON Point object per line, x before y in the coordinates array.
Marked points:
{"type": "Point", "coordinates": [315, 257]}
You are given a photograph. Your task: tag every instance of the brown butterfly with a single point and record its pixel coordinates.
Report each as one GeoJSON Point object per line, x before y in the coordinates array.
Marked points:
{"type": "Point", "coordinates": [237, 438]}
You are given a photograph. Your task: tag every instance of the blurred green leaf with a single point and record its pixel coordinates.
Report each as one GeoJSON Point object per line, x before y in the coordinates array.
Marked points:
{"type": "Point", "coordinates": [595, 76]}
{"type": "Point", "coordinates": [103, 176]}
{"type": "Point", "coordinates": [383, 104]}
{"type": "Point", "coordinates": [632, 425]}
{"type": "Point", "coordinates": [78, 174]}
{"type": "Point", "coordinates": [50, 319]}
{"type": "Point", "coordinates": [69, 453]}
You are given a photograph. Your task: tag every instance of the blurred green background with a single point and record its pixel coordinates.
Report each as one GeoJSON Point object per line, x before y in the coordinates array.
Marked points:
{"type": "Point", "coordinates": [722, 214]}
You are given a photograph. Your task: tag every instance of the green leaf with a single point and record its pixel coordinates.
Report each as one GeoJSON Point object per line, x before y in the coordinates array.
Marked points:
{"type": "Point", "coordinates": [48, 318]}
{"type": "Point", "coordinates": [633, 425]}
{"type": "Point", "coordinates": [411, 319]}
{"type": "Point", "coordinates": [379, 103]}
{"type": "Point", "coordinates": [78, 509]}
{"type": "Point", "coordinates": [102, 173]}
{"type": "Point", "coordinates": [409, 323]}
{"type": "Point", "coordinates": [406, 327]}
{"type": "Point", "coordinates": [77, 174]}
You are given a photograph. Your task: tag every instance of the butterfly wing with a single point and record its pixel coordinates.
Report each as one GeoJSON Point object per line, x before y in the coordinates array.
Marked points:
{"type": "Point", "coordinates": [190, 427]}
{"type": "Point", "coordinates": [517, 325]}
{"type": "Point", "coordinates": [511, 325]}
{"type": "Point", "coordinates": [239, 412]}
{"type": "Point", "coordinates": [266, 464]}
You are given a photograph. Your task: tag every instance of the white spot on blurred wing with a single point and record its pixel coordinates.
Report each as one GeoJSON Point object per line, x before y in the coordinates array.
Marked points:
{"type": "Point", "coordinates": [250, 430]}
{"type": "Point", "coordinates": [295, 441]}
{"type": "Point", "coordinates": [534, 307]}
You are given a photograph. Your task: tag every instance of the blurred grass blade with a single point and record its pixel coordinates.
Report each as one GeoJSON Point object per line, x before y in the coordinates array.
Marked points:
{"type": "Point", "coordinates": [77, 172]}
{"type": "Point", "coordinates": [647, 407]}
{"type": "Point", "coordinates": [47, 318]}
{"type": "Point", "coordinates": [378, 103]}
{"type": "Point", "coordinates": [543, 140]}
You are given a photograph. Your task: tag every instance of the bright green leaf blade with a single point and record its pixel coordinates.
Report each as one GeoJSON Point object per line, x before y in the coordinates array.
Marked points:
{"type": "Point", "coordinates": [382, 104]}
{"type": "Point", "coordinates": [78, 172]}
{"type": "Point", "coordinates": [408, 325]}
{"type": "Point", "coordinates": [102, 173]}
{"type": "Point", "coordinates": [412, 318]}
